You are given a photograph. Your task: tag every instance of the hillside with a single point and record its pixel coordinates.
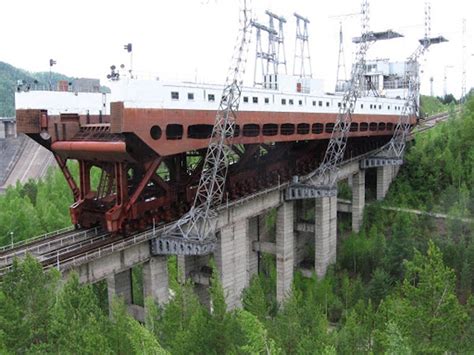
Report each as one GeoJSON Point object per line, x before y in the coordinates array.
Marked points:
{"type": "Point", "coordinates": [9, 76]}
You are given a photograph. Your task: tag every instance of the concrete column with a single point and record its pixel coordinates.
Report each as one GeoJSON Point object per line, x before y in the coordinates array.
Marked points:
{"type": "Point", "coordinates": [253, 235]}
{"type": "Point", "coordinates": [358, 200]}
{"type": "Point", "coordinates": [155, 279]}
{"type": "Point", "coordinates": [322, 235]}
{"type": "Point", "coordinates": [231, 259]}
{"type": "Point", "coordinates": [187, 265]}
{"type": "Point", "coordinates": [384, 178]}
{"type": "Point", "coordinates": [332, 229]}
{"type": "Point", "coordinates": [285, 240]}
{"type": "Point", "coordinates": [120, 285]}
{"type": "Point", "coordinates": [263, 229]}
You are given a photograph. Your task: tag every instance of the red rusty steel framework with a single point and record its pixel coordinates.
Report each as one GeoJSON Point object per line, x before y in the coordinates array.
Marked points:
{"type": "Point", "coordinates": [139, 187]}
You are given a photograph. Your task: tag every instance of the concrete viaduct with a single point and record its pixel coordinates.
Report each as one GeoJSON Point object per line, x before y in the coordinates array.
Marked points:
{"type": "Point", "coordinates": [242, 235]}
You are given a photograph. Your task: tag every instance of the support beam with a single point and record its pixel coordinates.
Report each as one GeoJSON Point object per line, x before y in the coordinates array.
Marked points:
{"type": "Point", "coordinates": [231, 258]}
{"type": "Point", "coordinates": [285, 240]}
{"type": "Point", "coordinates": [322, 235]}
{"type": "Point", "coordinates": [120, 285]}
{"type": "Point", "coordinates": [384, 178]}
{"type": "Point", "coordinates": [155, 279]}
{"type": "Point", "coordinates": [358, 200]}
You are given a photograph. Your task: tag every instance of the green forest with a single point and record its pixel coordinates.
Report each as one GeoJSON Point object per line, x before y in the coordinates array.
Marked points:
{"type": "Point", "coordinates": [9, 76]}
{"type": "Point", "coordinates": [403, 285]}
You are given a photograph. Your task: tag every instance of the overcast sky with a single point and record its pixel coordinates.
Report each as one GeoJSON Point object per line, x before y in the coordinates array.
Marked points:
{"type": "Point", "coordinates": [188, 39]}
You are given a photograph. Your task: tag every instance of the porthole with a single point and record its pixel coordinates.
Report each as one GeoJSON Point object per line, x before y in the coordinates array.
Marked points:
{"type": "Point", "coordinates": [155, 132]}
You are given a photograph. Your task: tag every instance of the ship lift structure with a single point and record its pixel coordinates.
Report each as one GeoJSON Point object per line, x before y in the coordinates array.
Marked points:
{"type": "Point", "coordinates": [194, 233]}
{"type": "Point", "coordinates": [166, 166]}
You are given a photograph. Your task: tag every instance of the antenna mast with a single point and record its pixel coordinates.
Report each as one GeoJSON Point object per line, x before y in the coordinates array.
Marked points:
{"type": "Point", "coordinates": [341, 63]}
{"type": "Point", "coordinates": [302, 55]}
{"type": "Point", "coordinates": [194, 232]}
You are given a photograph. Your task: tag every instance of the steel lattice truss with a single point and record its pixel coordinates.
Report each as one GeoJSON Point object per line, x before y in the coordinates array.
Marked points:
{"type": "Point", "coordinates": [194, 233]}
{"type": "Point", "coordinates": [393, 154]}
{"type": "Point", "coordinates": [322, 182]}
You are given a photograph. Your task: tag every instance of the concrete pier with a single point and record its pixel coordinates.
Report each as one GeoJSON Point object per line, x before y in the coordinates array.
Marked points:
{"type": "Point", "coordinates": [285, 240]}
{"type": "Point", "coordinates": [120, 285]}
{"type": "Point", "coordinates": [332, 229]}
{"type": "Point", "coordinates": [253, 236]}
{"type": "Point", "coordinates": [155, 279]}
{"type": "Point", "coordinates": [322, 235]}
{"type": "Point", "coordinates": [231, 256]}
{"type": "Point", "coordinates": [358, 200]}
{"type": "Point", "coordinates": [384, 178]}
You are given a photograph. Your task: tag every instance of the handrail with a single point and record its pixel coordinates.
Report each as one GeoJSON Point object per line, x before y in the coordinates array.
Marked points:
{"type": "Point", "coordinates": [33, 239]}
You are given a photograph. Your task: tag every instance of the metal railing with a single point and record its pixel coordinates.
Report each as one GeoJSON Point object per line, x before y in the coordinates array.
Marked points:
{"type": "Point", "coordinates": [37, 238]}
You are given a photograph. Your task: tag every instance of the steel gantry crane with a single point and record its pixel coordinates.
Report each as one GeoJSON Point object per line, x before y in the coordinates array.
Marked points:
{"type": "Point", "coordinates": [322, 181]}
{"type": "Point", "coordinates": [194, 232]}
{"type": "Point", "coordinates": [393, 152]}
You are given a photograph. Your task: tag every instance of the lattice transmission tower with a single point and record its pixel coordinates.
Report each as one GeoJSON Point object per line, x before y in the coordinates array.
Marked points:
{"type": "Point", "coordinates": [278, 40]}
{"type": "Point", "coordinates": [266, 59]}
{"type": "Point", "coordinates": [194, 233]}
{"type": "Point", "coordinates": [302, 57]}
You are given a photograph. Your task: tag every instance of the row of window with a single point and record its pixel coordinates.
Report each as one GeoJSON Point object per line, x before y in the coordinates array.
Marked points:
{"type": "Point", "coordinates": [284, 101]}
{"type": "Point", "coordinates": [204, 131]}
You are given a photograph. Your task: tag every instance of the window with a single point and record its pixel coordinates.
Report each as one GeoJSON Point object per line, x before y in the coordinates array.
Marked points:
{"type": "Point", "coordinates": [174, 131]}
{"type": "Point", "coordinates": [200, 131]}
{"type": "Point", "coordinates": [283, 101]}
{"type": "Point", "coordinates": [255, 100]}
{"type": "Point", "coordinates": [287, 129]}
{"type": "Point", "coordinates": [267, 100]}
{"type": "Point", "coordinates": [211, 97]}
{"type": "Point", "coordinates": [290, 101]}
{"type": "Point", "coordinates": [190, 95]}
{"type": "Point", "coordinates": [246, 99]}
{"type": "Point", "coordinates": [361, 105]}
{"type": "Point", "coordinates": [371, 106]}
{"type": "Point", "coordinates": [320, 103]}
{"type": "Point", "coordinates": [354, 127]}
{"type": "Point", "coordinates": [236, 130]}
{"type": "Point", "coordinates": [373, 126]}
{"type": "Point", "coordinates": [270, 129]}
{"type": "Point", "coordinates": [389, 126]}
{"type": "Point", "coordinates": [302, 128]}
{"type": "Point", "coordinates": [251, 130]}
{"type": "Point", "coordinates": [338, 104]}
{"type": "Point", "coordinates": [155, 132]}
{"type": "Point", "coordinates": [300, 102]}
{"type": "Point", "coordinates": [174, 95]}
{"type": "Point", "coordinates": [329, 127]}
{"type": "Point", "coordinates": [388, 107]}
{"type": "Point", "coordinates": [314, 103]}
{"type": "Point", "coordinates": [327, 104]}
{"type": "Point", "coordinates": [382, 126]}
{"type": "Point", "coordinates": [317, 128]}
{"type": "Point", "coordinates": [380, 107]}
{"type": "Point", "coordinates": [364, 126]}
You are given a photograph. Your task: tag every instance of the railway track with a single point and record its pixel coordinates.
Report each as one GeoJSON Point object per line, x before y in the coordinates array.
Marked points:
{"type": "Point", "coordinates": [57, 243]}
